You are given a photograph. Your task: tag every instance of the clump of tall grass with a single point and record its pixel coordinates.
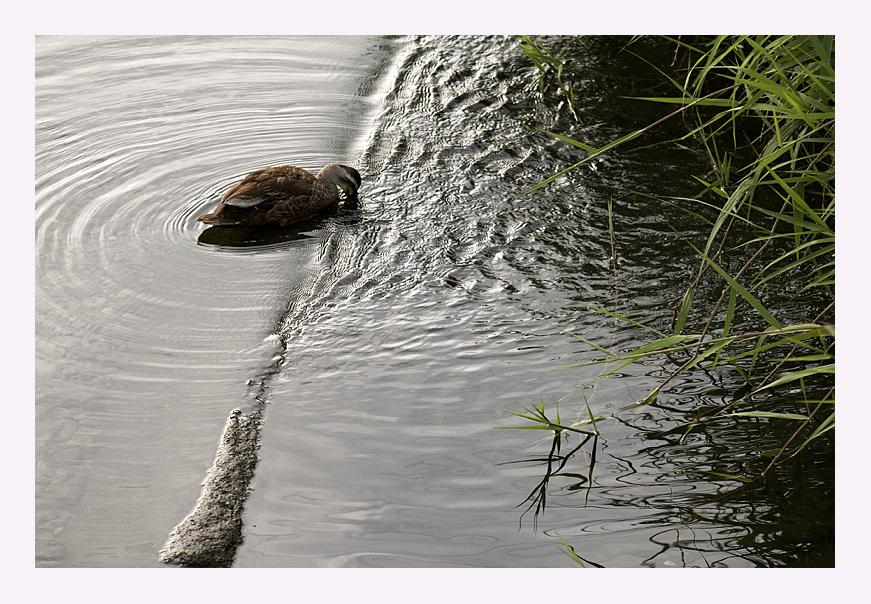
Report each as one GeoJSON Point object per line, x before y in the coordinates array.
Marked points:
{"type": "Point", "coordinates": [549, 64]}
{"type": "Point", "coordinates": [763, 110]}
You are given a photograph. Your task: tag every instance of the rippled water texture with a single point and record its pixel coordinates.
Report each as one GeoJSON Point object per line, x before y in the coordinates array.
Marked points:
{"type": "Point", "coordinates": [390, 341]}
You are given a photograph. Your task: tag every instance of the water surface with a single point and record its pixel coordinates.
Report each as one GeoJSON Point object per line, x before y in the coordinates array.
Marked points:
{"type": "Point", "coordinates": [390, 342]}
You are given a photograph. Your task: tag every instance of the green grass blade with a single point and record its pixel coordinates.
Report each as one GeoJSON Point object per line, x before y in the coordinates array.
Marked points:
{"type": "Point", "coordinates": [799, 374]}
{"type": "Point", "coordinates": [772, 415]}
{"type": "Point", "coordinates": [685, 306]}
{"type": "Point", "coordinates": [750, 298]}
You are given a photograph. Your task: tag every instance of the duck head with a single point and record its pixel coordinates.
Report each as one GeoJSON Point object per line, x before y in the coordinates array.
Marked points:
{"type": "Point", "coordinates": [344, 177]}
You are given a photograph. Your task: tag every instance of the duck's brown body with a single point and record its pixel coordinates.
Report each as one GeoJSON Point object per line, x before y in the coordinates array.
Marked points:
{"type": "Point", "coordinates": [282, 195]}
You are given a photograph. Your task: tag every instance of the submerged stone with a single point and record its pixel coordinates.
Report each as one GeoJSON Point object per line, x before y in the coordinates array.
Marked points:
{"type": "Point", "coordinates": [210, 535]}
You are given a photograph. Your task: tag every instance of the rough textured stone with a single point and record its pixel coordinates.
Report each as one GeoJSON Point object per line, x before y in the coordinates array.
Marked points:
{"type": "Point", "coordinates": [211, 533]}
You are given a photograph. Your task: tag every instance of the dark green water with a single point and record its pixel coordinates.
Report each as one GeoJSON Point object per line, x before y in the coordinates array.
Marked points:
{"type": "Point", "coordinates": [389, 342]}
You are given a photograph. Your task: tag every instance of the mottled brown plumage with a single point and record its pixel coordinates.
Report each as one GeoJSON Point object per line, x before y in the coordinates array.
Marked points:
{"type": "Point", "coordinates": [282, 195]}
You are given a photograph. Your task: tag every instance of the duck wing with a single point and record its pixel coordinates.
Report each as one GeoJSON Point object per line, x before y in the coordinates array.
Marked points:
{"type": "Point", "coordinates": [270, 184]}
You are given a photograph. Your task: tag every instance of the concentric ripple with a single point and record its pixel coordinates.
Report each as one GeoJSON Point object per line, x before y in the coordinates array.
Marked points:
{"type": "Point", "coordinates": [134, 315]}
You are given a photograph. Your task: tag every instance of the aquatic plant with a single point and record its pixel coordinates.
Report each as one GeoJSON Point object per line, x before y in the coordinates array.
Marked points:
{"type": "Point", "coordinates": [547, 64]}
{"type": "Point", "coordinates": [761, 109]}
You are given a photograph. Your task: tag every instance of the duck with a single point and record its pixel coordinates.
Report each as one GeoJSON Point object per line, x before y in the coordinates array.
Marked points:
{"type": "Point", "coordinates": [283, 195]}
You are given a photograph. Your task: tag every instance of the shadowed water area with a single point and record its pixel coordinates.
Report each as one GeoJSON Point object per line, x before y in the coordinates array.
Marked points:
{"type": "Point", "coordinates": [379, 348]}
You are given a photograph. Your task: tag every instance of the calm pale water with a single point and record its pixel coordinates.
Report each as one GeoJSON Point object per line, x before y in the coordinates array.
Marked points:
{"type": "Point", "coordinates": [390, 341]}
